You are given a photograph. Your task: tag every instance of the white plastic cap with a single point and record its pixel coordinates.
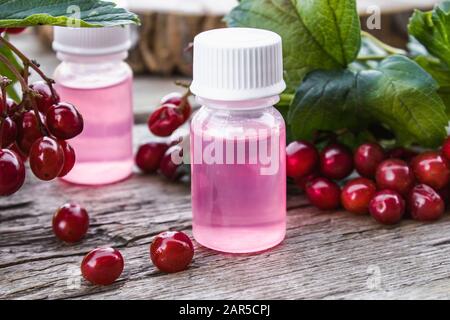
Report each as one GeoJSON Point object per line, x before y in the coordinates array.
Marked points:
{"type": "Point", "coordinates": [234, 64]}
{"type": "Point", "coordinates": [91, 41]}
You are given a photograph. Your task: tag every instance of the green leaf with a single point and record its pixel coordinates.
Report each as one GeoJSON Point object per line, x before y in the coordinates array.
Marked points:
{"type": "Point", "coordinates": [81, 13]}
{"type": "Point", "coordinates": [316, 34]}
{"type": "Point", "coordinates": [4, 71]}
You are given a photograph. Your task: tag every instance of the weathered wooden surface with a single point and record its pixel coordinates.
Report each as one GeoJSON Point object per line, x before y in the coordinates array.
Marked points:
{"type": "Point", "coordinates": [325, 255]}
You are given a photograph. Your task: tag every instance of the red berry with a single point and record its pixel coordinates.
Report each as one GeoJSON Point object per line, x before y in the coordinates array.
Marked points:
{"type": "Point", "coordinates": [2, 29]}
{"type": "Point", "coordinates": [176, 99]}
{"type": "Point", "coordinates": [446, 148]}
{"type": "Point", "coordinates": [69, 158]}
{"type": "Point", "coordinates": [149, 156]}
{"type": "Point", "coordinates": [168, 167]}
{"type": "Point", "coordinates": [323, 193]}
{"type": "Point", "coordinates": [432, 169]}
{"type": "Point", "coordinates": [11, 106]}
{"type": "Point", "coordinates": [402, 154]}
{"type": "Point", "coordinates": [387, 207]}
{"type": "Point", "coordinates": [336, 161]}
{"type": "Point", "coordinates": [28, 131]}
{"type": "Point", "coordinates": [395, 174]}
{"type": "Point", "coordinates": [15, 30]}
{"type": "Point", "coordinates": [18, 152]}
{"type": "Point", "coordinates": [165, 120]}
{"type": "Point", "coordinates": [8, 132]}
{"type": "Point", "coordinates": [47, 99]}
{"type": "Point", "coordinates": [102, 266]}
{"type": "Point", "coordinates": [70, 223]}
{"type": "Point", "coordinates": [367, 158]}
{"type": "Point", "coordinates": [356, 195]}
{"type": "Point", "coordinates": [301, 159]}
{"type": "Point", "coordinates": [303, 181]}
{"type": "Point", "coordinates": [64, 121]}
{"type": "Point", "coordinates": [46, 158]}
{"type": "Point", "coordinates": [171, 251]}
{"type": "Point", "coordinates": [425, 204]}
{"type": "Point", "coordinates": [12, 172]}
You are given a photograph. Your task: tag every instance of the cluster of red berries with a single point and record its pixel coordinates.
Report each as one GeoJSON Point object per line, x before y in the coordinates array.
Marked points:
{"type": "Point", "coordinates": [391, 184]}
{"type": "Point", "coordinates": [174, 111]}
{"type": "Point", "coordinates": [170, 251]}
{"type": "Point", "coordinates": [38, 134]}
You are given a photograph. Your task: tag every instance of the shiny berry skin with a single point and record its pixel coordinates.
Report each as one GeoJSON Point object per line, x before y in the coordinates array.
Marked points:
{"type": "Point", "coordinates": [102, 266]}
{"type": "Point", "coordinates": [301, 159]}
{"type": "Point", "coordinates": [64, 121]}
{"type": "Point", "coordinates": [149, 156]}
{"type": "Point", "coordinates": [168, 167]}
{"type": "Point", "coordinates": [12, 172]}
{"type": "Point", "coordinates": [70, 223]}
{"type": "Point", "coordinates": [8, 132]}
{"type": "Point", "coordinates": [176, 99]}
{"type": "Point", "coordinates": [302, 181]}
{"type": "Point", "coordinates": [367, 157]}
{"type": "Point", "coordinates": [431, 168]}
{"type": "Point", "coordinates": [425, 204]}
{"type": "Point", "coordinates": [69, 158]}
{"type": "Point", "coordinates": [15, 30]}
{"type": "Point", "coordinates": [28, 131]}
{"type": "Point", "coordinates": [46, 158]}
{"type": "Point", "coordinates": [323, 193]}
{"type": "Point", "coordinates": [446, 149]}
{"type": "Point", "coordinates": [165, 120]}
{"type": "Point", "coordinates": [171, 251]}
{"type": "Point", "coordinates": [387, 207]}
{"type": "Point", "coordinates": [356, 195]}
{"type": "Point", "coordinates": [336, 161]}
{"type": "Point", "coordinates": [46, 100]}
{"type": "Point", "coordinates": [395, 174]}
{"type": "Point", "coordinates": [402, 154]}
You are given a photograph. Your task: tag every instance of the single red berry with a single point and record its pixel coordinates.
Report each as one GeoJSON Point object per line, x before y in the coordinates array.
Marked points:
{"type": "Point", "coordinates": [69, 158]}
{"type": "Point", "coordinates": [165, 120]}
{"type": "Point", "coordinates": [356, 195]}
{"type": "Point", "coordinates": [171, 251]}
{"type": "Point", "coordinates": [70, 223]}
{"type": "Point", "coordinates": [303, 181]}
{"type": "Point", "coordinates": [2, 30]}
{"type": "Point", "coordinates": [402, 154]}
{"type": "Point", "coordinates": [336, 161]}
{"type": "Point", "coordinates": [446, 148]}
{"type": "Point", "coordinates": [387, 207]}
{"type": "Point", "coordinates": [8, 132]}
{"type": "Point", "coordinates": [431, 168]}
{"type": "Point", "coordinates": [46, 158]}
{"type": "Point", "coordinates": [425, 204]}
{"type": "Point", "coordinates": [11, 106]}
{"type": "Point", "coordinates": [15, 30]}
{"type": "Point", "coordinates": [395, 174]}
{"type": "Point", "coordinates": [149, 156]}
{"type": "Point", "coordinates": [176, 98]}
{"type": "Point", "coordinates": [171, 162]}
{"type": "Point", "coordinates": [18, 152]}
{"type": "Point", "coordinates": [12, 172]}
{"type": "Point", "coordinates": [28, 131]}
{"type": "Point", "coordinates": [367, 158]}
{"type": "Point", "coordinates": [46, 99]}
{"type": "Point", "coordinates": [102, 266]}
{"type": "Point", "coordinates": [301, 159]}
{"type": "Point", "coordinates": [323, 193]}
{"type": "Point", "coordinates": [64, 121]}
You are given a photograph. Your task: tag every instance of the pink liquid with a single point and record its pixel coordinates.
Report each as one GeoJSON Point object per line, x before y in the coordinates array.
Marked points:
{"type": "Point", "coordinates": [104, 149]}
{"type": "Point", "coordinates": [235, 208]}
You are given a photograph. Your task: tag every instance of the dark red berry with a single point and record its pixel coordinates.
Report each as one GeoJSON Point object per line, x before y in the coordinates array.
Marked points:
{"type": "Point", "coordinates": [301, 159]}
{"type": "Point", "coordinates": [425, 204]}
{"type": "Point", "coordinates": [171, 251]}
{"type": "Point", "coordinates": [15, 30]}
{"type": "Point", "coordinates": [446, 149]}
{"type": "Point", "coordinates": [46, 99]}
{"type": "Point", "coordinates": [356, 195]}
{"type": "Point", "coordinates": [323, 193]}
{"type": "Point", "coordinates": [64, 121]}
{"type": "Point", "coordinates": [149, 156]}
{"type": "Point", "coordinates": [431, 168]}
{"type": "Point", "coordinates": [102, 266]}
{"type": "Point", "coordinates": [387, 207]}
{"type": "Point", "coordinates": [402, 154]}
{"type": "Point", "coordinates": [336, 161]}
{"type": "Point", "coordinates": [395, 174]}
{"type": "Point", "coordinates": [8, 132]}
{"type": "Point", "coordinates": [165, 120]}
{"type": "Point", "coordinates": [170, 168]}
{"type": "Point", "coordinates": [46, 158]}
{"type": "Point", "coordinates": [367, 158]}
{"type": "Point", "coordinates": [69, 158]}
{"type": "Point", "coordinates": [11, 106]}
{"type": "Point", "coordinates": [302, 181]}
{"type": "Point", "coordinates": [28, 131]}
{"type": "Point", "coordinates": [2, 30]}
{"type": "Point", "coordinates": [70, 223]}
{"type": "Point", "coordinates": [12, 172]}
{"type": "Point", "coordinates": [176, 98]}
{"type": "Point", "coordinates": [18, 152]}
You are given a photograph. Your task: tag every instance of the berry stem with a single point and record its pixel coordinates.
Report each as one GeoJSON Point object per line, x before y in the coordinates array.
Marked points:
{"type": "Point", "coordinates": [16, 73]}
{"type": "Point", "coordinates": [4, 82]}
{"type": "Point", "coordinates": [184, 99]}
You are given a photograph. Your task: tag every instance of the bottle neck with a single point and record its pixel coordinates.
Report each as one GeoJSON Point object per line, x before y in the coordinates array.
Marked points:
{"type": "Point", "coordinates": [253, 104]}
{"type": "Point", "coordinates": [92, 59]}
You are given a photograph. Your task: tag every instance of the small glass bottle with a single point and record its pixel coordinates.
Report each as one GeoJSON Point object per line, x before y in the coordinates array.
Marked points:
{"type": "Point", "coordinates": [94, 78]}
{"type": "Point", "coordinates": [238, 141]}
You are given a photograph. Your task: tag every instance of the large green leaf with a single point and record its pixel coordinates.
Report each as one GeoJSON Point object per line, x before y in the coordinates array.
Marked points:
{"type": "Point", "coordinates": [82, 13]}
{"type": "Point", "coordinates": [316, 33]}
